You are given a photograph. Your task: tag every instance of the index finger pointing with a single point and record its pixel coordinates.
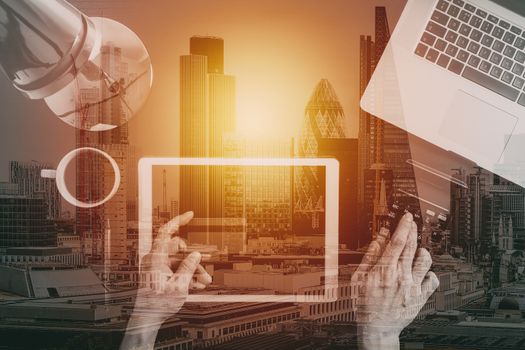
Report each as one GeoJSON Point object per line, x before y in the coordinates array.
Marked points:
{"type": "Point", "coordinates": [399, 239]}
{"type": "Point", "coordinates": [174, 224]}
{"type": "Point", "coordinates": [161, 242]}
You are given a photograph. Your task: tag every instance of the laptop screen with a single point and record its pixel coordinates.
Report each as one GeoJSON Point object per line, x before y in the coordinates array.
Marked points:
{"type": "Point", "coordinates": [517, 6]}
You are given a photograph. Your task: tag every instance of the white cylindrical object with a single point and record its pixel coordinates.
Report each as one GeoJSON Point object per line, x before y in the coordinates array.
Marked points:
{"type": "Point", "coordinates": [42, 43]}
{"type": "Point", "coordinates": [48, 173]}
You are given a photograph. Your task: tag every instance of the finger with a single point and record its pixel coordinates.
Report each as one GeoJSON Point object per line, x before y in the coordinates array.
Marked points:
{"type": "Point", "coordinates": [197, 285]}
{"type": "Point", "coordinates": [174, 224]}
{"type": "Point", "coordinates": [382, 238]}
{"type": "Point", "coordinates": [407, 256]}
{"type": "Point", "coordinates": [177, 252]}
{"type": "Point", "coordinates": [176, 244]}
{"type": "Point", "coordinates": [375, 248]}
{"type": "Point", "coordinates": [368, 259]}
{"type": "Point", "coordinates": [397, 243]}
{"type": "Point", "coordinates": [430, 284]}
{"type": "Point", "coordinates": [422, 265]}
{"type": "Point", "coordinates": [160, 243]}
{"type": "Point", "coordinates": [202, 275]}
{"type": "Point", "coordinates": [187, 268]}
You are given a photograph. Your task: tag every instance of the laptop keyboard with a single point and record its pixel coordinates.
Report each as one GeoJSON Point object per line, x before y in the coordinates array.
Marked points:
{"type": "Point", "coordinates": [478, 46]}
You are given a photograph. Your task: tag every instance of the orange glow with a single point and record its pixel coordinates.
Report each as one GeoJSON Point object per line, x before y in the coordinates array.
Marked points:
{"type": "Point", "coordinates": [277, 51]}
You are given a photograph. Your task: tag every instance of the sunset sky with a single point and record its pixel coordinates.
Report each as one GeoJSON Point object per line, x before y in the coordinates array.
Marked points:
{"type": "Point", "coordinates": [277, 49]}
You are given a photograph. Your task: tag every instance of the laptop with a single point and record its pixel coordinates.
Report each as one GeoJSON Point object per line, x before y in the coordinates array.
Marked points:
{"type": "Point", "coordinates": [453, 74]}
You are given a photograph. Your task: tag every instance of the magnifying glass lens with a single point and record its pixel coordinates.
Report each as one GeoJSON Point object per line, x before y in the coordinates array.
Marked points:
{"type": "Point", "coordinates": [99, 174]}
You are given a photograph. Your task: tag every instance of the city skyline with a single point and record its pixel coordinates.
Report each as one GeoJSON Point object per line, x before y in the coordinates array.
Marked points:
{"type": "Point", "coordinates": [156, 136]}
{"type": "Point", "coordinates": [254, 265]}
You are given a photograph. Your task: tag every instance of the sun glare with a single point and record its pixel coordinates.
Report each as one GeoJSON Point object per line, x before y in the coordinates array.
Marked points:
{"type": "Point", "coordinates": [266, 111]}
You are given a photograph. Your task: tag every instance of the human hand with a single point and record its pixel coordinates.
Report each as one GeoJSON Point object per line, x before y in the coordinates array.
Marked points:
{"type": "Point", "coordinates": [395, 283]}
{"type": "Point", "coordinates": [154, 306]}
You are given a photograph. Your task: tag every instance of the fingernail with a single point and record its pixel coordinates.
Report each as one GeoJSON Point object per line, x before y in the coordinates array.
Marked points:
{"type": "Point", "coordinates": [424, 252]}
{"type": "Point", "coordinates": [375, 246]}
{"type": "Point", "coordinates": [435, 283]}
{"type": "Point", "coordinates": [186, 217]}
{"type": "Point", "coordinates": [409, 217]}
{"type": "Point", "coordinates": [383, 233]}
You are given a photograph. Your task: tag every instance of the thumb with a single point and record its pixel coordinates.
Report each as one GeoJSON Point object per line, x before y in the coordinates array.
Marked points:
{"type": "Point", "coordinates": [186, 270]}
{"type": "Point", "coordinates": [167, 230]}
{"type": "Point", "coordinates": [430, 284]}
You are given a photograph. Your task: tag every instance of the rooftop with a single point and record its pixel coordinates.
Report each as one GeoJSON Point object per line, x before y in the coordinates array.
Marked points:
{"type": "Point", "coordinates": [38, 251]}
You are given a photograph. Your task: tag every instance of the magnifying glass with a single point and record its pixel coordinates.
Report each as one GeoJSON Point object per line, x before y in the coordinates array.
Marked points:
{"type": "Point", "coordinates": [59, 176]}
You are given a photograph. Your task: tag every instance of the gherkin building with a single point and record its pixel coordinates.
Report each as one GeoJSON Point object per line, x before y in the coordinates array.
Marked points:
{"type": "Point", "coordinates": [324, 119]}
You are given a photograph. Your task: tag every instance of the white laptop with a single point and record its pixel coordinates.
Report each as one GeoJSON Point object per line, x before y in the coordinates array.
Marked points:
{"type": "Point", "coordinates": [453, 74]}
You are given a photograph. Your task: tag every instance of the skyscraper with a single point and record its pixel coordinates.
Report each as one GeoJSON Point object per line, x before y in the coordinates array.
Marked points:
{"type": "Point", "coordinates": [207, 113]}
{"type": "Point", "coordinates": [324, 119]}
{"type": "Point", "coordinates": [260, 195]}
{"type": "Point", "coordinates": [381, 144]}
{"type": "Point", "coordinates": [24, 219]}
{"type": "Point", "coordinates": [194, 133]}
{"type": "Point", "coordinates": [94, 175]}
{"type": "Point", "coordinates": [174, 208]}
{"type": "Point", "coordinates": [466, 208]}
{"type": "Point", "coordinates": [222, 121]}
{"type": "Point", "coordinates": [32, 185]}
{"type": "Point", "coordinates": [378, 186]}
{"type": "Point", "coordinates": [268, 190]}
{"type": "Point", "coordinates": [213, 49]}
{"type": "Point", "coordinates": [504, 199]}
{"type": "Point", "coordinates": [366, 136]}
{"type": "Point", "coordinates": [345, 151]}
{"type": "Point", "coordinates": [89, 223]}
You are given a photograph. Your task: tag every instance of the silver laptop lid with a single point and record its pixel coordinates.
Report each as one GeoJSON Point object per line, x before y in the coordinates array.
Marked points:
{"type": "Point", "coordinates": [517, 6]}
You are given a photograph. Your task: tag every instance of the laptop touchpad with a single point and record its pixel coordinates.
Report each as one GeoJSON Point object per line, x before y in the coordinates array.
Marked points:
{"type": "Point", "coordinates": [478, 127]}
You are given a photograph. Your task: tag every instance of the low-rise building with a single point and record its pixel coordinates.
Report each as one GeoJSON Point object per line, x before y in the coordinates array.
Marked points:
{"type": "Point", "coordinates": [214, 323]}
{"type": "Point", "coordinates": [49, 281]}
{"type": "Point", "coordinates": [42, 255]}
{"type": "Point", "coordinates": [69, 241]}
{"type": "Point", "coordinates": [73, 325]}
{"type": "Point", "coordinates": [343, 309]}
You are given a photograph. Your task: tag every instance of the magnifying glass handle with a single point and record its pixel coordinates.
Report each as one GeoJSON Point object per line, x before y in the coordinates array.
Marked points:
{"type": "Point", "coordinates": [48, 174]}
